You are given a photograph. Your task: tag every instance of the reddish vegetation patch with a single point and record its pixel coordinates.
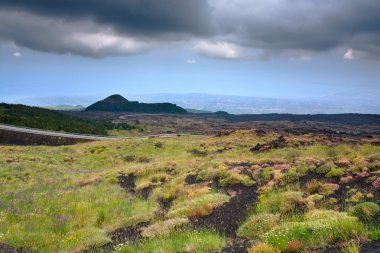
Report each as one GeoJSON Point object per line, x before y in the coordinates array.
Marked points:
{"type": "Point", "coordinates": [376, 183]}
{"type": "Point", "coordinates": [346, 179]}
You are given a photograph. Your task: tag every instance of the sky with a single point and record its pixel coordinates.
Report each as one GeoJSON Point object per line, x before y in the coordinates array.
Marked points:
{"type": "Point", "coordinates": [268, 48]}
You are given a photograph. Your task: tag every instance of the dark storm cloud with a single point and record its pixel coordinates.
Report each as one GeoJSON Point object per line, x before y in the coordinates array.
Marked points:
{"type": "Point", "coordinates": [139, 16]}
{"type": "Point", "coordinates": [100, 28]}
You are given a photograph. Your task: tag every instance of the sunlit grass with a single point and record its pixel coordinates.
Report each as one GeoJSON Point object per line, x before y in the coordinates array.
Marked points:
{"type": "Point", "coordinates": [63, 199]}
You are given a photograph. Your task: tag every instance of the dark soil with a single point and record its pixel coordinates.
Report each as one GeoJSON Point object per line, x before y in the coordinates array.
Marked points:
{"type": "Point", "coordinates": [130, 234]}
{"type": "Point", "coordinates": [368, 247]}
{"type": "Point", "coordinates": [165, 205]}
{"type": "Point", "coordinates": [191, 179]}
{"type": "Point", "coordinates": [127, 182]}
{"type": "Point", "coordinates": [280, 142]}
{"type": "Point", "coordinates": [371, 247]}
{"type": "Point", "coordinates": [227, 218]}
{"type": "Point", "coordinates": [120, 236]}
{"type": "Point", "coordinates": [145, 192]}
{"type": "Point", "coordinates": [8, 249]}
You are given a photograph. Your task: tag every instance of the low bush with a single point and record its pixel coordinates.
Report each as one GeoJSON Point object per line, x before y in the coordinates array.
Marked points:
{"type": "Point", "coordinates": [336, 172]}
{"type": "Point", "coordinates": [290, 177]}
{"type": "Point", "coordinates": [325, 168]}
{"type": "Point", "coordinates": [374, 235]}
{"type": "Point", "coordinates": [266, 174]}
{"type": "Point", "coordinates": [198, 206]}
{"type": "Point", "coordinates": [233, 177]}
{"type": "Point", "coordinates": [355, 196]}
{"type": "Point", "coordinates": [256, 225]}
{"type": "Point", "coordinates": [211, 173]}
{"type": "Point", "coordinates": [283, 203]}
{"type": "Point", "coordinates": [366, 211]}
{"type": "Point", "coordinates": [313, 186]}
{"type": "Point", "coordinates": [318, 229]}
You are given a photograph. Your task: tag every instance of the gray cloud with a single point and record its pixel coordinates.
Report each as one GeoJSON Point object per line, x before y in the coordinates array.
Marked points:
{"type": "Point", "coordinates": [314, 25]}
{"type": "Point", "coordinates": [100, 28]}
{"type": "Point", "coordinates": [82, 37]}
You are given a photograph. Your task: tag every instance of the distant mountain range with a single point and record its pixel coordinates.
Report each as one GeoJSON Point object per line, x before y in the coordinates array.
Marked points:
{"type": "Point", "coordinates": [117, 103]}
{"type": "Point", "coordinates": [353, 101]}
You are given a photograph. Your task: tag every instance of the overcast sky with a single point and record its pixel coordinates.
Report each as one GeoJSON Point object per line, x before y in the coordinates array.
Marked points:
{"type": "Point", "coordinates": [274, 48]}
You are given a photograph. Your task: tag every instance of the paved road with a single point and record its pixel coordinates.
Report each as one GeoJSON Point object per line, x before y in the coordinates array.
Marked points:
{"type": "Point", "coordinates": [81, 136]}
{"type": "Point", "coordinates": [56, 134]}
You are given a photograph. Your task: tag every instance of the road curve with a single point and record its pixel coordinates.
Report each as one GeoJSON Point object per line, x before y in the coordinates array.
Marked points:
{"type": "Point", "coordinates": [55, 134]}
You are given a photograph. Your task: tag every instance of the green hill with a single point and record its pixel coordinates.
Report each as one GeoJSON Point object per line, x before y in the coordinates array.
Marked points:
{"type": "Point", "coordinates": [117, 103]}
{"type": "Point", "coordinates": [41, 118]}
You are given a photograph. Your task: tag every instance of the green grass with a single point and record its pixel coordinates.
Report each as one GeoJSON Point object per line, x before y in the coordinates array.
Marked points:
{"type": "Point", "coordinates": [181, 241]}
{"type": "Point", "coordinates": [318, 229]}
{"type": "Point", "coordinates": [280, 202]}
{"type": "Point", "coordinates": [65, 199]}
{"type": "Point", "coordinates": [257, 225]}
{"type": "Point", "coordinates": [69, 219]}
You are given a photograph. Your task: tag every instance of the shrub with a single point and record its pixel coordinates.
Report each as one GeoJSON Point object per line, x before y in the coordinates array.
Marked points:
{"type": "Point", "coordinates": [285, 202]}
{"type": "Point", "coordinates": [266, 174]}
{"type": "Point", "coordinates": [325, 168]}
{"type": "Point", "coordinates": [211, 173]}
{"type": "Point", "coordinates": [355, 197]}
{"type": "Point", "coordinates": [366, 211]}
{"type": "Point", "coordinates": [198, 206]}
{"type": "Point", "coordinates": [290, 177]}
{"type": "Point", "coordinates": [257, 225]}
{"type": "Point", "coordinates": [263, 248]}
{"type": "Point", "coordinates": [313, 186]}
{"type": "Point", "coordinates": [318, 229]}
{"type": "Point", "coordinates": [374, 235]}
{"type": "Point", "coordinates": [163, 228]}
{"type": "Point", "coordinates": [337, 172]}
{"type": "Point", "coordinates": [233, 177]}
{"type": "Point", "coordinates": [302, 169]}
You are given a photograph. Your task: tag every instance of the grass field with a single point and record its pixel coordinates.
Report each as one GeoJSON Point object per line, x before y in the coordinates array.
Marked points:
{"type": "Point", "coordinates": [168, 195]}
